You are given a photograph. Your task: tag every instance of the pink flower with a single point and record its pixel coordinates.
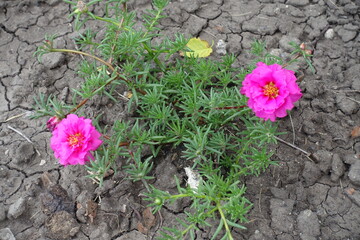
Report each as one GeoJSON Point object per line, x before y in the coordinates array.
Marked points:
{"type": "Point", "coordinates": [271, 91]}
{"type": "Point", "coordinates": [73, 139]}
{"type": "Point", "coordinates": [52, 123]}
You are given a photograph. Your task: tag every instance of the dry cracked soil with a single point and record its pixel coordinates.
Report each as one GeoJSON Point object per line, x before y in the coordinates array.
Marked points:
{"type": "Point", "coordinates": [303, 197]}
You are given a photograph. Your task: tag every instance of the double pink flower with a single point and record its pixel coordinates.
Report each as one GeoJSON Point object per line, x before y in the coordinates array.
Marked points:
{"type": "Point", "coordinates": [73, 139]}
{"type": "Point", "coordinates": [271, 90]}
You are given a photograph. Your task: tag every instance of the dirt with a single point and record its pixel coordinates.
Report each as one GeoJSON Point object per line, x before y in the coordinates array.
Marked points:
{"type": "Point", "coordinates": [316, 197]}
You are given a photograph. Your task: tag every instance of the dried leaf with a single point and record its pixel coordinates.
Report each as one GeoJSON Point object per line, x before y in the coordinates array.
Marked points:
{"type": "Point", "coordinates": [200, 48]}
{"type": "Point", "coordinates": [220, 28]}
{"type": "Point", "coordinates": [355, 132]}
{"type": "Point", "coordinates": [99, 69]}
{"type": "Point", "coordinates": [46, 180]}
{"type": "Point", "coordinates": [55, 198]}
{"type": "Point", "coordinates": [148, 218]}
{"type": "Point", "coordinates": [140, 227]}
{"type": "Point", "coordinates": [91, 209]}
{"type": "Point", "coordinates": [350, 191]}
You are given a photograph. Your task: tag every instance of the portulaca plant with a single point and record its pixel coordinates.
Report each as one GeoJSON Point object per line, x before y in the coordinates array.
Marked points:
{"type": "Point", "coordinates": [219, 115]}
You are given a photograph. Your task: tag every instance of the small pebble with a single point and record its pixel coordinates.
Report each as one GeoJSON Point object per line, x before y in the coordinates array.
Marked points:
{"type": "Point", "coordinates": [330, 33]}
{"type": "Point", "coordinates": [346, 105]}
{"type": "Point", "coordinates": [2, 212]}
{"type": "Point", "coordinates": [346, 35]}
{"type": "Point", "coordinates": [53, 60]}
{"type": "Point", "coordinates": [24, 153]}
{"type": "Point", "coordinates": [308, 224]}
{"type": "Point", "coordinates": [350, 158]}
{"type": "Point", "coordinates": [354, 173]}
{"type": "Point", "coordinates": [6, 234]}
{"type": "Point", "coordinates": [298, 3]}
{"type": "Point", "coordinates": [61, 225]}
{"type": "Point", "coordinates": [221, 47]}
{"type": "Point", "coordinates": [16, 209]}
{"type": "Point", "coordinates": [337, 168]}
{"type": "Point", "coordinates": [311, 173]}
{"type": "Point", "coordinates": [354, 195]}
{"type": "Point", "coordinates": [324, 159]}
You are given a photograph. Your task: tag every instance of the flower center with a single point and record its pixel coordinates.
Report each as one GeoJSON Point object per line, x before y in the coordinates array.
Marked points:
{"type": "Point", "coordinates": [270, 90]}
{"type": "Point", "coordinates": [76, 140]}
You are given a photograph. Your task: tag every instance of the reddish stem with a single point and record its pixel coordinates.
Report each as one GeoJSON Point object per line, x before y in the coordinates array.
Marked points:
{"type": "Point", "coordinates": [286, 64]}
{"type": "Point", "coordinates": [232, 107]}
{"type": "Point", "coordinates": [78, 106]}
{"type": "Point", "coordinates": [122, 144]}
{"type": "Point", "coordinates": [221, 108]}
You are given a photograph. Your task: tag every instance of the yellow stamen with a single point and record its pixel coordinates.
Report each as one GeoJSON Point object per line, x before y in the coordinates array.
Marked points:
{"type": "Point", "coordinates": [76, 139]}
{"type": "Point", "coordinates": [270, 90]}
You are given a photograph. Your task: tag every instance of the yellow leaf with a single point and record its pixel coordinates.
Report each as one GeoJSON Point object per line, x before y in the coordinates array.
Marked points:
{"type": "Point", "coordinates": [128, 94]}
{"type": "Point", "coordinates": [200, 48]}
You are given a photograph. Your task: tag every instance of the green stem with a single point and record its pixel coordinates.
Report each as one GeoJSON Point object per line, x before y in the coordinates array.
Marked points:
{"type": "Point", "coordinates": [187, 195]}
{"type": "Point", "coordinates": [146, 185]}
{"type": "Point", "coordinates": [85, 54]}
{"type": "Point", "coordinates": [193, 225]}
{"type": "Point", "coordinates": [177, 196]}
{"type": "Point", "coordinates": [106, 20]}
{"type": "Point", "coordinates": [247, 144]}
{"type": "Point", "coordinates": [211, 211]}
{"type": "Point", "coordinates": [187, 229]}
{"type": "Point", "coordinates": [224, 220]}
{"type": "Point", "coordinates": [146, 46]}
{"type": "Point", "coordinates": [156, 60]}
{"type": "Point", "coordinates": [153, 22]}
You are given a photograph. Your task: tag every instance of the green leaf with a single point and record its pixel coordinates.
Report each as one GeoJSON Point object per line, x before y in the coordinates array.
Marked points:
{"type": "Point", "coordinates": [218, 229]}
{"type": "Point", "coordinates": [235, 225]}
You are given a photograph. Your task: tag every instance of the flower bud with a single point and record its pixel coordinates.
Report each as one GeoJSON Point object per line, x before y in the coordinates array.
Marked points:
{"type": "Point", "coordinates": [48, 43]}
{"type": "Point", "coordinates": [81, 7]}
{"type": "Point", "coordinates": [158, 201]}
{"type": "Point", "coordinates": [302, 46]}
{"type": "Point", "coordinates": [308, 52]}
{"type": "Point", "coordinates": [52, 123]}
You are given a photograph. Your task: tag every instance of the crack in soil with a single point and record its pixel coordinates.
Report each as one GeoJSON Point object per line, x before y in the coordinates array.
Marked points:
{"type": "Point", "coordinates": [6, 97]}
{"type": "Point", "coordinates": [20, 185]}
